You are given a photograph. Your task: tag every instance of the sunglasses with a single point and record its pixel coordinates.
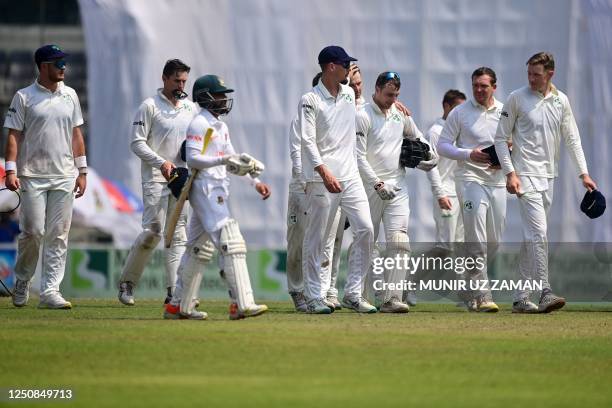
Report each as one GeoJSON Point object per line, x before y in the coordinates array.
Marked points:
{"type": "Point", "coordinates": [345, 65]}
{"type": "Point", "coordinates": [392, 75]}
{"type": "Point", "coordinates": [59, 64]}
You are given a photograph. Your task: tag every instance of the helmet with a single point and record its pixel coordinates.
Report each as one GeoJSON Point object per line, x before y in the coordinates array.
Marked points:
{"type": "Point", "coordinates": [203, 90]}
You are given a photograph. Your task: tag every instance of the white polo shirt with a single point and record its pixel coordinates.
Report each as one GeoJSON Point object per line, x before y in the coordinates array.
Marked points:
{"type": "Point", "coordinates": [470, 126]}
{"type": "Point", "coordinates": [46, 120]}
{"type": "Point", "coordinates": [441, 177]}
{"type": "Point", "coordinates": [158, 130]}
{"type": "Point", "coordinates": [209, 150]}
{"type": "Point", "coordinates": [535, 123]}
{"type": "Point", "coordinates": [379, 143]}
{"type": "Point", "coordinates": [327, 127]}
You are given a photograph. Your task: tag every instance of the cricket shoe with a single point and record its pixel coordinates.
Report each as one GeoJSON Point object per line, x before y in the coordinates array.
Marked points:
{"type": "Point", "coordinates": [524, 306]}
{"type": "Point", "coordinates": [471, 305]}
{"type": "Point", "coordinates": [126, 293]}
{"type": "Point", "coordinates": [299, 301]}
{"type": "Point", "coordinates": [317, 306]}
{"type": "Point", "coordinates": [329, 304]}
{"type": "Point", "coordinates": [360, 305]}
{"type": "Point", "coordinates": [487, 306]}
{"type": "Point", "coordinates": [394, 306]}
{"type": "Point", "coordinates": [194, 315]}
{"type": "Point", "coordinates": [334, 301]}
{"type": "Point", "coordinates": [171, 312]}
{"type": "Point", "coordinates": [21, 293]}
{"type": "Point", "coordinates": [550, 302]}
{"type": "Point", "coordinates": [251, 311]}
{"type": "Point", "coordinates": [54, 300]}
{"type": "Point", "coordinates": [411, 298]}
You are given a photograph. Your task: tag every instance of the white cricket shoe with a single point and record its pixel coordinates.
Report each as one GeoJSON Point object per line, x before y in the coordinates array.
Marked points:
{"type": "Point", "coordinates": [254, 310]}
{"type": "Point", "coordinates": [360, 305]}
{"type": "Point", "coordinates": [334, 301]}
{"type": "Point", "coordinates": [126, 293]}
{"type": "Point", "coordinates": [394, 306]}
{"type": "Point", "coordinates": [299, 301]}
{"type": "Point", "coordinates": [54, 300]}
{"type": "Point", "coordinates": [194, 315]}
{"type": "Point", "coordinates": [524, 306]}
{"type": "Point", "coordinates": [21, 293]}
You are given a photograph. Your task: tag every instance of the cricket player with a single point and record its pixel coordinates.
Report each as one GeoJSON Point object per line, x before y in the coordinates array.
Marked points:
{"type": "Point", "coordinates": [469, 128]}
{"type": "Point", "coordinates": [159, 129]}
{"type": "Point", "coordinates": [209, 150]}
{"type": "Point", "coordinates": [45, 161]}
{"type": "Point", "coordinates": [446, 208]}
{"type": "Point", "coordinates": [381, 128]}
{"type": "Point", "coordinates": [327, 119]}
{"type": "Point", "coordinates": [536, 117]}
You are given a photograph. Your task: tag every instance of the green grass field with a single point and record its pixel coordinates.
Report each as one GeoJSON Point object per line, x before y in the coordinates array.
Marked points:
{"type": "Point", "coordinates": [437, 355]}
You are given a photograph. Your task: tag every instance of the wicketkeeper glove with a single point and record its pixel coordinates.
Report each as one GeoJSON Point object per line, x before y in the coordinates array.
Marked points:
{"type": "Point", "coordinates": [239, 164]}
{"type": "Point", "coordinates": [258, 168]}
{"type": "Point", "coordinates": [386, 191]}
{"type": "Point", "coordinates": [413, 152]}
{"type": "Point", "coordinates": [178, 178]}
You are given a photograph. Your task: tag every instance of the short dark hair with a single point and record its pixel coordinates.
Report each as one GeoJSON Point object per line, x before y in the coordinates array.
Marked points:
{"type": "Point", "coordinates": [388, 77]}
{"type": "Point", "coordinates": [315, 80]}
{"type": "Point", "coordinates": [175, 65]}
{"type": "Point", "coordinates": [451, 96]}
{"type": "Point", "coordinates": [544, 58]}
{"type": "Point", "coordinates": [485, 71]}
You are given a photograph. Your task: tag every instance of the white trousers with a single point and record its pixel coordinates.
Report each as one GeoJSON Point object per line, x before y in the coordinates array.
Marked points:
{"type": "Point", "coordinates": [449, 224]}
{"type": "Point", "coordinates": [336, 257]}
{"type": "Point", "coordinates": [159, 203]}
{"type": "Point", "coordinates": [484, 220]}
{"type": "Point", "coordinates": [322, 212]}
{"type": "Point", "coordinates": [45, 217]}
{"type": "Point", "coordinates": [296, 224]}
{"type": "Point", "coordinates": [533, 264]}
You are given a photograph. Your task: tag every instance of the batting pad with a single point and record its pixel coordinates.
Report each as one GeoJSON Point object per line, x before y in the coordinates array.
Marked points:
{"type": "Point", "coordinates": [233, 249]}
{"type": "Point", "coordinates": [398, 245]}
{"type": "Point", "coordinates": [139, 256]}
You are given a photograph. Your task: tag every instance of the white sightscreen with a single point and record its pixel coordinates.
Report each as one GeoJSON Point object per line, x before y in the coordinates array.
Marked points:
{"type": "Point", "coordinates": [267, 50]}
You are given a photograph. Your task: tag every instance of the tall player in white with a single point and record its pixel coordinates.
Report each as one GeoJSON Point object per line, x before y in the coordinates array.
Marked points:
{"type": "Point", "coordinates": [381, 128]}
{"type": "Point", "coordinates": [209, 150]}
{"type": "Point", "coordinates": [535, 118]}
{"type": "Point", "coordinates": [469, 128]}
{"type": "Point", "coordinates": [158, 131]}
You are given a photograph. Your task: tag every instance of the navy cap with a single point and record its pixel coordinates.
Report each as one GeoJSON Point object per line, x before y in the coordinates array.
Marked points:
{"type": "Point", "coordinates": [593, 204]}
{"type": "Point", "coordinates": [334, 53]}
{"type": "Point", "coordinates": [48, 53]}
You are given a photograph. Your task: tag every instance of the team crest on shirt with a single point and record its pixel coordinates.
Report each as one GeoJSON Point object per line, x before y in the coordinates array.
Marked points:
{"type": "Point", "coordinates": [468, 205]}
{"type": "Point", "coordinates": [348, 98]}
{"type": "Point", "coordinates": [67, 99]}
{"type": "Point", "coordinates": [220, 200]}
{"type": "Point", "coordinates": [396, 118]}
{"type": "Point", "coordinates": [557, 102]}
{"type": "Point", "coordinates": [293, 219]}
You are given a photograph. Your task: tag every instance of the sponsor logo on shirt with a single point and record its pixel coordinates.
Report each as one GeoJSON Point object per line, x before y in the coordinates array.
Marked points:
{"type": "Point", "coordinates": [195, 138]}
{"type": "Point", "coordinates": [138, 123]}
{"type": "Point", "coordinates": [468, 205]}
{"type": "Point", "coordinates": [305, 106]}
{"type": "Point", "coordinates": [360, 134]}
{"type": "Point", "coordinates": [12, 110]}
{"type": "Point", "coordinates": [504, 113]}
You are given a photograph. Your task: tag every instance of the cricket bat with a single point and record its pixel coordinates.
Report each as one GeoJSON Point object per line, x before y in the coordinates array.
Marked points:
{"type": "Point", "coordinates": [180, 202]}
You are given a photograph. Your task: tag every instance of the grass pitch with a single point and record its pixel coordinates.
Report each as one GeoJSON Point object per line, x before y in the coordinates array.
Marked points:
{"type": "Point", "coordinates": [437, 355]}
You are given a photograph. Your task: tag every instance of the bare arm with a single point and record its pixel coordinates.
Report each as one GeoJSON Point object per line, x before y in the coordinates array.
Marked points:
{"type": "Point", "coordinates": [12, 182]}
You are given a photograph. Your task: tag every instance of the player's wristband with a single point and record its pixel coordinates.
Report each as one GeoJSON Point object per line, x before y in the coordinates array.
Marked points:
{"type": "Point", "coordinates": [10, 166]}
{"type": "Point", "coordinates": [80, 162]}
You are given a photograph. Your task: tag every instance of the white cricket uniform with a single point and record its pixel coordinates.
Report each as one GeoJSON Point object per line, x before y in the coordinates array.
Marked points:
{"type": "Point", "coordinates": [482, 190]}
{"type": "Point", "coordinates": [379, 143]}
{"type": "Point", "coordinates": [535, 123]}
{"type": "Point", "coordinates": [158, 130]}
{"type": "Point", "coordinates": [328, 137]}
{"type": "Point", "coordinates": [46, 170]}
{"type": "Point", "coordinates": [449, 223]}
{"type": "Point", "coordinates": [337, 252]}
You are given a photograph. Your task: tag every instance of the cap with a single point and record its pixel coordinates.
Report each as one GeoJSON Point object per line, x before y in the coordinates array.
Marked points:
{"type": "Point", "coordinates": [334, 53]}
{"type": "Point", "coordinates": [593, 204]}
{"type": "Point", "coordinates": [210, 83]}
{"type": "Point", "coordinates": [48, 53]}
